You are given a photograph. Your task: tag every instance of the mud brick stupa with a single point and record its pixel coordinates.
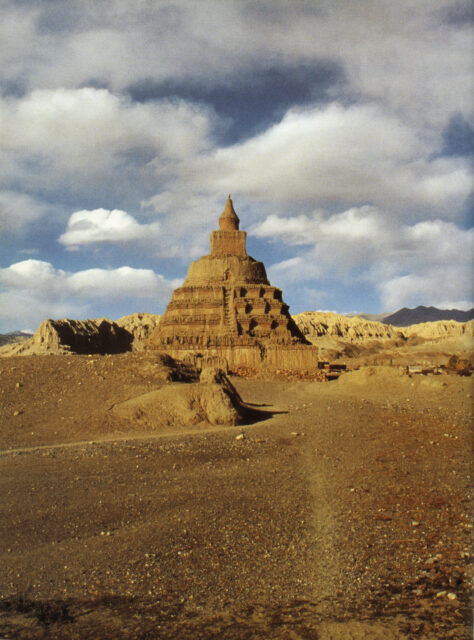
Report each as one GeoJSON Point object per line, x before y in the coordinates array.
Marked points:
{"type": "Point", "coordinates": [227, 310]}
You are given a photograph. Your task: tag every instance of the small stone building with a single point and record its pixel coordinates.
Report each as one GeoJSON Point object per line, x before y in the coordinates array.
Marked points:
{"type": "Point", "coordinates": [227, 309]}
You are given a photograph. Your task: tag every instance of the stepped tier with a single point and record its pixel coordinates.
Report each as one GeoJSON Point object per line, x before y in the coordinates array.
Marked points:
{"type": "Point", "coordinates": [227, 307]}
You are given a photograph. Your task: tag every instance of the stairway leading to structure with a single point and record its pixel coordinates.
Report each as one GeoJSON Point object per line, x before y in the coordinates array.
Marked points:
{"type": "Point", "coordinates": [230, 323]}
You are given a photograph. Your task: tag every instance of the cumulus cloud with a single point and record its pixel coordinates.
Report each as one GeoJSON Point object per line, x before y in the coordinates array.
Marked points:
{"type": "Point", "coordinates": [17, 210]}
{"type": "Point", "coordinates": [359, 168]}
{"type": "Point", "coordinates": [186, 219]}
{"type": "Point", "coordinates": [431, 265]}
{"type": "Point", "coordinates": [430, 289]}
{"type": "Point", "coordinates": [296, 230]}
{"type": "Point", "coordinates": [77, 128]}
{"type": "Point", "coordinates": [389, 50]}
{"type": "Point", "coordinates": [429, 262]}
{"type": "Point", "coordinates": [32, 290]}
{"type": "Point", "coordinates": [90, 148]}
{"type": "Point", "coordinates": [119, 283]}
{"type": "Point", "coordinates": [102, 225]}
{"type": "Point", "coordinates": [355, 223]}
{"type": "Point", "coordinates": [337, 154]}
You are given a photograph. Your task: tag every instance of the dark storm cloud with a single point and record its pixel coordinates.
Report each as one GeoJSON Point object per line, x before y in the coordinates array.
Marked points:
{"type": "Point", "coordinates": [57, 17]}
{"type": "Point", "coordinates": [461, 13]}
{"type": "Point", "coordinates": [458, 137]}
{"type": "Point", "coordinates": [279, 14]}
{"type": "Point", "coordinates": [253, 100]}
{"type": "Point", "coordinates": [15, 88]}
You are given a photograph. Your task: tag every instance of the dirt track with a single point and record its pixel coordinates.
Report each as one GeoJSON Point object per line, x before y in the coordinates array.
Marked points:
{"type": "Point", "coordinates": [344, 510]}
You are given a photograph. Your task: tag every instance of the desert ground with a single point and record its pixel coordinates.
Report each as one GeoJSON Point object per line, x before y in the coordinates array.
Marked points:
{"type": "Point", "coordinates": [337, 510]}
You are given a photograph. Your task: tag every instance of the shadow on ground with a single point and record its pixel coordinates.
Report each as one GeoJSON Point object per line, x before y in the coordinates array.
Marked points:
{"type": "Point", "coordinates": [252, 415]}
{"type": "Point", "coordinates": [121, 617]}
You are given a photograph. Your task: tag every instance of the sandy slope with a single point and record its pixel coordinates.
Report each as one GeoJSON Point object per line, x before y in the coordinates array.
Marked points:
{"type": "Point", "coordinates": [362, 342]}
{"type": "Point", "coordinates": [342, 513]}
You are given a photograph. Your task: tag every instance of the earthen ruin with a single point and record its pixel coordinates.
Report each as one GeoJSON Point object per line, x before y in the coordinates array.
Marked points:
{"type": "Point", "coordinates": [228, 310]}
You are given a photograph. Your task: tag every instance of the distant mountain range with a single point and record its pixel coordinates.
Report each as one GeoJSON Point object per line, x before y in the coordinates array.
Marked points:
{"type": "Point", "coordinates": [405, 317]}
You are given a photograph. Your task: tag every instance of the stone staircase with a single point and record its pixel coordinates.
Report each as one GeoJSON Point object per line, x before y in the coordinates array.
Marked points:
{"type": "Point", "coordinates": [230, 324]}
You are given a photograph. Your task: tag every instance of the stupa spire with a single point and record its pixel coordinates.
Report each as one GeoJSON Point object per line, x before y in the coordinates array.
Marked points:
{"type": "Point", "coordinates": [229, 221]}
{"type": "Point", "coordinates": [228, 313]}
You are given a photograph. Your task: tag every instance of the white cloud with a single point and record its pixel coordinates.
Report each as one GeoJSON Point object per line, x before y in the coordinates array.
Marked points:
{"type": "Point", "coordinates": [404, 55]}
{"type": "Point", "coordinates": [17, 210]}
{"type": "Point", "coordinates": [33, 290]}
{"type": "Point", "coordinates": [119, 283]}
{"type": "Point", "coordinates": [430, 289]}
{"type": "Point", "coordinates": [337, 154]}
{"type": "Point", "coordinates": [81, 129]}
{"type": "Point", "coordinates": [186, 219]}
{"type": "Point", "coordinates": [30, 276]}
{"type": "Point", "coordinates": [102, 225]}
{"type": "Point", "coordinates": [20, 311]}
{"type": "Point", "coordinates": [37, 276]}
{"type": "Point", "coordinates": [295, 230]}
{"type": "Point", "coordinates": [294, 270]}
{"type": "Point", "coordinates": [355, 224]}
{"type": "Point", "coordinates": [429, 262]}
{"type": "Point", "coordinates": [372, 155]}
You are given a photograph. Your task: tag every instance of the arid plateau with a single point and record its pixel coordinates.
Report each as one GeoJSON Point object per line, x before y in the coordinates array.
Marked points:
{"type": "Point", "coordinates": [143, 498]}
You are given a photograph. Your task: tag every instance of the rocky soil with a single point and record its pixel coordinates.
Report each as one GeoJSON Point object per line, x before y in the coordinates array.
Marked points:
{"type": "Point", "coordinates": [338, 510]}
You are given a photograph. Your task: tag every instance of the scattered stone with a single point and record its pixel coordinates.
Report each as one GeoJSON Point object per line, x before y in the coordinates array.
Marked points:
{"type": "Point", "coordinates": [241, 436]}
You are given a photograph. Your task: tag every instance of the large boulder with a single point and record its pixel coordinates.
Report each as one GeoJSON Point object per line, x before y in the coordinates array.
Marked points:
{"type": "Point", "coordinates": [214, 401]}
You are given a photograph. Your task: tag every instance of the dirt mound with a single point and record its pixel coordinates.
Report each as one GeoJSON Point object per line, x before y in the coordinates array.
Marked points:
{"type": "Point", "coordinates": [440, 330]}
{"type": "Point", "coordinates": [87, 336]}
{"type": "Point", "coordinates": [397, 379]}
{"type": "Point", "coordinates": [140, 326]}
{"type": "Point", "coordinates": [315, 324]}
{"type": "Point", "coordinates": [371, 376]}
{"type": "Point", "coordinates": [212, 401]}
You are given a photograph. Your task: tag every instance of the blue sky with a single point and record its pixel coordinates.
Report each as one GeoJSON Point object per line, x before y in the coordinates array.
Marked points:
{"type": "Point", "coordinates": [343, 130]}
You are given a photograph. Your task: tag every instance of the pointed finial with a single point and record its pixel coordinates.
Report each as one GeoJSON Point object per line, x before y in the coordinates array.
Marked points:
{"type": "Point", "coordinates": [229, 220]}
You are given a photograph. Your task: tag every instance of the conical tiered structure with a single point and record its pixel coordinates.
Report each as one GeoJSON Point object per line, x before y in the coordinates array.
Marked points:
{"type": "Point", "coordinates": [227, 308]}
